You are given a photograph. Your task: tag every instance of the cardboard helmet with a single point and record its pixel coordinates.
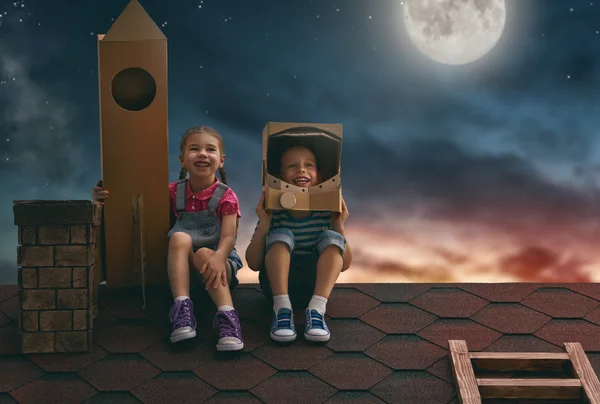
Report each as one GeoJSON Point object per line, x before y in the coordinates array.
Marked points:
{"type": "Point", "coordinates": [325, 141]}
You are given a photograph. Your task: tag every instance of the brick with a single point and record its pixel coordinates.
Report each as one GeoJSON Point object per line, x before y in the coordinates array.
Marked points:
{"type": "Point", "coordinates": [94, 232]}
{"type": "Point", "coordinates": [30, 321]}
{"type": "Point", "coordinates": [56, 320]}
{"type": "Point", "coordinates": [94, 250]}
{"type": "Point", "coordinates": [79, 234]}
{"type": "Point", "coordinates": [42, 212]}
{"type": "Point", "coordinates": [37, 342]}
{"type": "Point", "coordinates": [35, 256]}
{"type": "Point", "coordinates": [53, 235]}
{"type": "Point", "coordinates": [38, 299]}
{"type": "Point", "coordinates": [54, 277]}
{"type": "Point", "coordinates": [81, 320]}
{"type": "Point", "coordinates": [80, 277]}
{"type": "Point", "coordinates": [27, 235]}
{"type": "Point", "coordinates": [72, 299]}
{"type": "Point", "coordinates": [98, 212]}
{"type": "Point", "coordinates": [71, 255]}
{"type": "Point", "coordinates": [28, 278]}
{"type": "Point", "coordinates": [73, 341]}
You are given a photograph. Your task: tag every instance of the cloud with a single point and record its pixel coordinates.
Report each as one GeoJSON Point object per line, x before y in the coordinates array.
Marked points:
{"type": "Point", "coordinates": [38, 144]}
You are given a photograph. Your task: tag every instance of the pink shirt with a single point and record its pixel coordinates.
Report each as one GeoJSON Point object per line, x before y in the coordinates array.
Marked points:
{"type": "Point", "coordinates": [199, 201]}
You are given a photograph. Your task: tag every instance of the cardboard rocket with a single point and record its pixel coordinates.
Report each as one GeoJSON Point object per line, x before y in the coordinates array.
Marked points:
{"type": "Point", "coordinates": [326, 142]}
{"type": "Point", "coordinates": [132, 70]}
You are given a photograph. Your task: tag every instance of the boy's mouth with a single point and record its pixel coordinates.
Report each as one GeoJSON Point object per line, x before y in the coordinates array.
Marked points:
{"type": "Point", "coordinates": [301, 181]}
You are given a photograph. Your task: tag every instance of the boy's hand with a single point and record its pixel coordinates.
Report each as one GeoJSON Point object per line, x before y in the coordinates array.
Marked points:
{"type": "Point", "coordinates": [338, 219]}
{"type": "Point", "coordinates": [99, 193]}
{"type": "Point", "coordinates": [263, 215]}
{"type": "Point", "coordinates": [214, 271]}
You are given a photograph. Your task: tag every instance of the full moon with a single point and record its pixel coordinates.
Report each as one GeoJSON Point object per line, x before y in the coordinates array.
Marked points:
{"type": "Point", "coordinates": [454, 32]}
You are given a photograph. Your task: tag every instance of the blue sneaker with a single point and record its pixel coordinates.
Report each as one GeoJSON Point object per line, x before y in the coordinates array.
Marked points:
{"type": "Point", "coordinates": [316, 328]}
{"type": "Point", "coordinates": [282, 326]}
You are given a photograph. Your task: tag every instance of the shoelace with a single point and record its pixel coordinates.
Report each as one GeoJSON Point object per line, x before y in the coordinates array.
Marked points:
{"type": "Point", "coordinates": [316, 320]}
{"type": "Point", "coordinates": [284, 318]}
{"type": "Point", "coordinates": [181, 313]}
{"type": "Point", "coordinates": [226, 325]}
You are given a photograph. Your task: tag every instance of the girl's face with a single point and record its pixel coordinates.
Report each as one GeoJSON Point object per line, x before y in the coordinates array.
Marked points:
{"type": "Point", "coordinates": [202, 156]}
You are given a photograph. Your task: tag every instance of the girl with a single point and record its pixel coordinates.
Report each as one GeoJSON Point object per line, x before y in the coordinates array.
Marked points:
{"type": "Point", "coordinates": [204, 218]}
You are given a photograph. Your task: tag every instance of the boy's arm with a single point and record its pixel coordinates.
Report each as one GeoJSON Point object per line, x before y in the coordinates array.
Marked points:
{"type": "Point", "coordinates": [255, 253]}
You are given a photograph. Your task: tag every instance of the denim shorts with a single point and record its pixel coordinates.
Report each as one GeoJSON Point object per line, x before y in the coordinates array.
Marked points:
{"type": "Point", "coordinates": [303, 267]}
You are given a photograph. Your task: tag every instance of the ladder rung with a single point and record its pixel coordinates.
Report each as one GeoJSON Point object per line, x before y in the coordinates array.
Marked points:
{"type": "Point", "coordinates": [520, 361]}
{"type": "Point", "coordinates": [531, 388]}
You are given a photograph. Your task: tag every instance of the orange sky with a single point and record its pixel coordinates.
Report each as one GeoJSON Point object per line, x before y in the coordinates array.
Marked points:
{"type": "Point", "coordinates": [420, 250]}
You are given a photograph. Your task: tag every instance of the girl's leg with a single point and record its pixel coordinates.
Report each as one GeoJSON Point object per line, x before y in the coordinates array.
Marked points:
{"type": "Point", "coordinates": [221, 296]}
{"type": "Point", "coordinates": [178, 264]}
{"type": "Point", "coordinates": [226, 319]}
{"type": "Point", "coordinates": [182, 318]}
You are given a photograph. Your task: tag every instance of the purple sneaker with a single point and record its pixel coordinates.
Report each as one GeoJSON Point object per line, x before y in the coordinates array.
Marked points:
{"type": "Point", "coordinates": [182, 320]}
{"type": "Point", "coordinates": [230, 331]}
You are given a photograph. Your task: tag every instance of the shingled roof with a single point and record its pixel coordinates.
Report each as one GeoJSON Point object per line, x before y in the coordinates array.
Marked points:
{"type": "Point", "coordinates": [389, 344]}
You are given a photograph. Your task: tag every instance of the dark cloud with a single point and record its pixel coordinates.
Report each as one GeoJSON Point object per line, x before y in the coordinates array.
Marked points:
{"type": "Point", "coordinates": [463, 184]}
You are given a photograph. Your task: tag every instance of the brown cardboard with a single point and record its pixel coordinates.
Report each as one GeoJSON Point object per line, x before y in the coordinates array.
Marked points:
{"type": "Point", "coordinates": [326, 142]}
{"type": "Point", "coordinates": [134, 142]}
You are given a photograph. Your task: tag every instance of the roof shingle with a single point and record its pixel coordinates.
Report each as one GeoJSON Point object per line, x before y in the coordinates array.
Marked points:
{"type": "Point", "coordinates": [389, 344]}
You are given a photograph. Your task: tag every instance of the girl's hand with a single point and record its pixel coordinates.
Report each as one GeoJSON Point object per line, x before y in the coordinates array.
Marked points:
{"type": "Point", "coordinates": [338, 219]}
{"type": "Point", "coordinates": [99, 193]}
{"type": "Point", "coordinates": [214, 271]}
{"type": "Point", "coordinates": [263, 215]}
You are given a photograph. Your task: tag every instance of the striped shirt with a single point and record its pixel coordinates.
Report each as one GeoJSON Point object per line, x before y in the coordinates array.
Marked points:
{"type": "Point", "coordinates": [306, 231]}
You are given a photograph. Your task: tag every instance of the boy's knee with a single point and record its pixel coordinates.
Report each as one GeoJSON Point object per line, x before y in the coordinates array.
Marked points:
{"type": "Point", "coordinates": [281, 235]}
{"type": "Point", "coordinates": [331, 238]}
{"type": "Point", "coordinates": [180, 240]}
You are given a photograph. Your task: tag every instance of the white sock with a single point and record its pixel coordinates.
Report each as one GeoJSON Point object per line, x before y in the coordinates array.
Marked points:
{"type": "Point", "coordinates": [182, 297]}
{"type": "Point", "coordinates": [280, 302]}
{"type": "Point", "coordinates": [224, 308]}
{"type": "Point", "coordinates": [319, 303]}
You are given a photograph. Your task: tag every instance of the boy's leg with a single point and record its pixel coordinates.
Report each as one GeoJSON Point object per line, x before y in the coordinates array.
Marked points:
{"type": "Point", "coordinates": [330, 248]}
{"type": "Point", "coordinates": [183, 322]}
{"type": "Point", "coordinates": [279, 245]}
{"type": "Point", "coordinates": [226, 319]}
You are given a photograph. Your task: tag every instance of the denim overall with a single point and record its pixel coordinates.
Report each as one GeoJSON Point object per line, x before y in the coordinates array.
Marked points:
{"type": "Point", "coordinates": [204, 227]}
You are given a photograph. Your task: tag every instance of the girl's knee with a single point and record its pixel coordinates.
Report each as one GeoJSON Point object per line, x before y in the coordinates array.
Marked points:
{"type": "Point", "coordinates": [180, 240]}
{"type": "Point", "coordinates": [204, 254]}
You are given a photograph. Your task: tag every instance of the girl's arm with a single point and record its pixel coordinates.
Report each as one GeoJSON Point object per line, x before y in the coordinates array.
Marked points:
{"type": "Point", "coordinates": [228, 235]}
{"type": "Point", "coordinates": [255, 253]}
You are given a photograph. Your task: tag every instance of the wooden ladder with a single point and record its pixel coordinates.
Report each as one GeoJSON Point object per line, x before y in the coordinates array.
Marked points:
{"type": "Point", "coordinates": [583, 384]}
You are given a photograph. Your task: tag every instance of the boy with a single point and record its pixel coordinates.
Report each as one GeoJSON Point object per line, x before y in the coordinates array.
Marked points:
{"type": "Point", "coordinates": [299, 253]}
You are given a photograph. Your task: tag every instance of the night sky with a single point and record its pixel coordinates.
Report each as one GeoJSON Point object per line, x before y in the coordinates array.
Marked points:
{"type": "Point", "coordinates": [479, 172]}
